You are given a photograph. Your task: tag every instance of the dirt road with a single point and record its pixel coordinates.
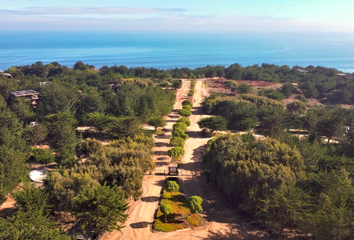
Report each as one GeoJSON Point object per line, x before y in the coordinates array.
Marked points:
{"type": "Point", "coordinates": [141, 213]}
{"type": "Point", "coordinates": [219, 219]}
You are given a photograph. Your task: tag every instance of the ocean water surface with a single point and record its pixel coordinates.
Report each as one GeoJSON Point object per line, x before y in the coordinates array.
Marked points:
{"type": "Point", "coordinates": [177, 50]}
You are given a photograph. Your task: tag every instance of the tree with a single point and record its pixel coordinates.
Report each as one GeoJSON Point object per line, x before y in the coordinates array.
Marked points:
{"type": "Point", "coordinates": [184, 113]}
{"type": "Point", "coordinates": [213, 123]}
{"type": "Point", "coordinates": [232, 162]}
{"type": "Point", "coordinates": [31, 199]}
{"type": "Point", "coordinates": [195, 204]}
{"type": "Point", "coordinates": [273, 124]}
{"type": "Point", "coordinates": [187, 102]}
{"type": "Point", "coordinates": [171, 186]}
{"type": "Point", "coordinates": [102, 208]}
{"type": "Point", "coordinates": [185, 121]}
{"type": "Point", "coordinates": [79, 65]}
{"type": "Point", "coordinates": [166, 209]}
{"type": "Point", "coordinates": [187, 107]}
{"type": "Point", "coordinates": [36, 134]}
{"type": "Point", "coordinates": [178, 132]}
{"type": "Point", "coordinates": [286, 207]}
{"type": "Point", "coordinates": [176, 153]}
{"type": "Point", "coordinates": [89, 147]}
{"type": "Point", "coordinates": [58, 97]}
{"type": "Point", "coordinates": [157, 122]}
{"type": "Point", "coordinates": [102, 122]}
{"type": "Point", "coordinates": [177, 142]}
{"type": "Point", "coordinates": [62, 136]}
{"type": "Point", "coordinates": [7, 85]}
{"type": "Point", "coordinates": [177, 84]}
{"type": "Point", "coordinates": [90, 101]}
{"type": "Point", "coordinates": [14, 151]}
{"type": "Point", "coordinates": [180, 125]}
{"type": "Point", "coordinates": [244, 88]}
{"type": "Point", "coordinates": [232, 85]}
{"type": "Point", "coordinates": [43, 156]}
{"type": "Point", "coordinates": [287, 89]}
{"type": "Point", "coordinates": [30, 225]}
{"type": "Point", "coordinates": [331, 127]}
{"type": "Point", "coordinates": [296, 107]}
{"type": "Point", "coordinates": [30, 220]}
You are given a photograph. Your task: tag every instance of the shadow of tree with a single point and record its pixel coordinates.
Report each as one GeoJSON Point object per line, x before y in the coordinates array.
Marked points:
{"type": "Point", "coordinates": [195, 134]}
{"type": "Point", "coordinates": [150, 199]}
{"type": "Point", "coordinates": [158, 153]}
{"type": "Point", "coordinates": [225, 235]}
{"type": "Point", "coordinates": [162, 144]}
{"type": "Point", "coordinates": [198, 154]}
{"type": "Point", "coordinates": [161, 164]}
{"type": "Point", "coordinates": [140, 224]}
{"type": "Point", "coordinates": [163, 136]}
{"type": "Point", "coordinates": [172, 218]}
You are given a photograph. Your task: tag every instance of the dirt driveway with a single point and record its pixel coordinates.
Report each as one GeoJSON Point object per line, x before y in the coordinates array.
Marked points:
{"type": "Point", "coordinates": [221, 222]}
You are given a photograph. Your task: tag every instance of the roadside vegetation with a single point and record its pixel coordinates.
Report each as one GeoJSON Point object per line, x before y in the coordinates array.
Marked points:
{"type": "Point", "coordinates": [175, 211]}
{"type": "Point", "coordinates": [91, 183]}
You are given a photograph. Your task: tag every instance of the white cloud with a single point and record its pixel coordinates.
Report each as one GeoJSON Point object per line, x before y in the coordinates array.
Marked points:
{"type": "Point", "coordinates": [176, 22]}
{"type": "Point", "coordinates": [89, 10]}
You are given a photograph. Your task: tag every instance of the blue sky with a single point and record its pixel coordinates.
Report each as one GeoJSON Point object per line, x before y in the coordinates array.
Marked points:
{"type": "Point", "coordinates": [208, 16]}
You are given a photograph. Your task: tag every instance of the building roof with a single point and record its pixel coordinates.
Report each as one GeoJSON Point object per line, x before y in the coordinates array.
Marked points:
{"type": "Point", "coordinates": [24, 93]}
{"type": "Point", "coordinates": [343, 74]}
{"type": "Point", "coordinates": [302, 71]}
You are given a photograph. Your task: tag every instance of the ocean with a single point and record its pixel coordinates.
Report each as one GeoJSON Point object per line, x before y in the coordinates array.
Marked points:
{"type": "Point", "coordinates": [177, 50]}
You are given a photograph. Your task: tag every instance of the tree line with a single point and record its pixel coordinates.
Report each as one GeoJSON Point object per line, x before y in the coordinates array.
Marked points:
{"type": "Point", "coordinates": [316, 82]}
{"type": "Point", "coordinates": [93, 182]}
{"type": "Point", "coordinates": [304, 186]}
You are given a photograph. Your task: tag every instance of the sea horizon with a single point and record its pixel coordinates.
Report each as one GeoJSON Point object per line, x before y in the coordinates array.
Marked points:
{"type": "Point", "coordinates": [177, 50]}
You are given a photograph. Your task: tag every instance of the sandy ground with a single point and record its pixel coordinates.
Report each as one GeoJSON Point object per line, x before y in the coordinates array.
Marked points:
{"type": "Point", "coordinates": [7, 207]}
{"type": "Point", "coordinates": [219, 218]}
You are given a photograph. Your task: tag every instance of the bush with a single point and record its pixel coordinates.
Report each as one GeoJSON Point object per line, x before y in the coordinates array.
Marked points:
{"type": "Point", "coordinates": [88, 147]}
{"type": "Point", "coordinates": [191, 93]}
{"type": "Point", "coordinates": [177, 142]}
{"type": "Point", "coordinates": [185, 121]}
{"type": "Point", "coordinates": [187, 107]}
{"type": "Point", "coordinates": [244, 88]}
{"type": "Point", "coordinates": [180, 125]}
{"type": "Point", "coordinates": [179, 133]}
{"type": "Point", "coordinates": [177, 84]}
{"type": "Point", "coordinates": [187, 102]}
{"type": "Point", "coordinates": [43, 156]}
{"type": "Point", "coordinates": [176, 153]}
{"type": "Point", "coordinates": [184, 113]}
{"type": "Point", "coordinates": [195, 204]}
{"type": "Point", "coordinates": [171, 186]}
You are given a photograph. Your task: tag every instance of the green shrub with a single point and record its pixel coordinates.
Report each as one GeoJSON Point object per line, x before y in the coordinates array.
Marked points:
{"type": "Point", "coordinates": [187, 107]}
{"type": "Point", "coordinates": [185, 121]}
{"type": "Point", "coordinates": [184, 113]}
{"type": "Point", "coordinates": [43, 156]}
{"type": "Point", "coordinates": [177, 142]}
{"type": "Point", "coordinates": [179, 133]}
{"type": "Point", "coordinates": [187, 102]}
{"type": "Point", "coordinates": [180, 125]}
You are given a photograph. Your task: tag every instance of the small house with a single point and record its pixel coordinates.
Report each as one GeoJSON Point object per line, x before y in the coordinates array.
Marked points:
{"type": "Point", "coordinates": [8, 75]}
{"type": "Point", "coordinates": [302, 71]}
{"type": "Point", "coordinates": [29, 95]}
{"type": "Point", "coordinates": [114, 85]}
{"type": "Point", "coordinates": [343, 75]}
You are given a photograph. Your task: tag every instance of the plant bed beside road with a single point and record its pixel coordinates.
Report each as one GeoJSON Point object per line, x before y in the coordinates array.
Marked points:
{"type": "Point", "coordinates": [179, 216]}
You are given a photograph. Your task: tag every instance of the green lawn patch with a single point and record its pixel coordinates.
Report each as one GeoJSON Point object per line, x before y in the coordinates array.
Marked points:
{"type": "Point", "coordinates": [180, 217]}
